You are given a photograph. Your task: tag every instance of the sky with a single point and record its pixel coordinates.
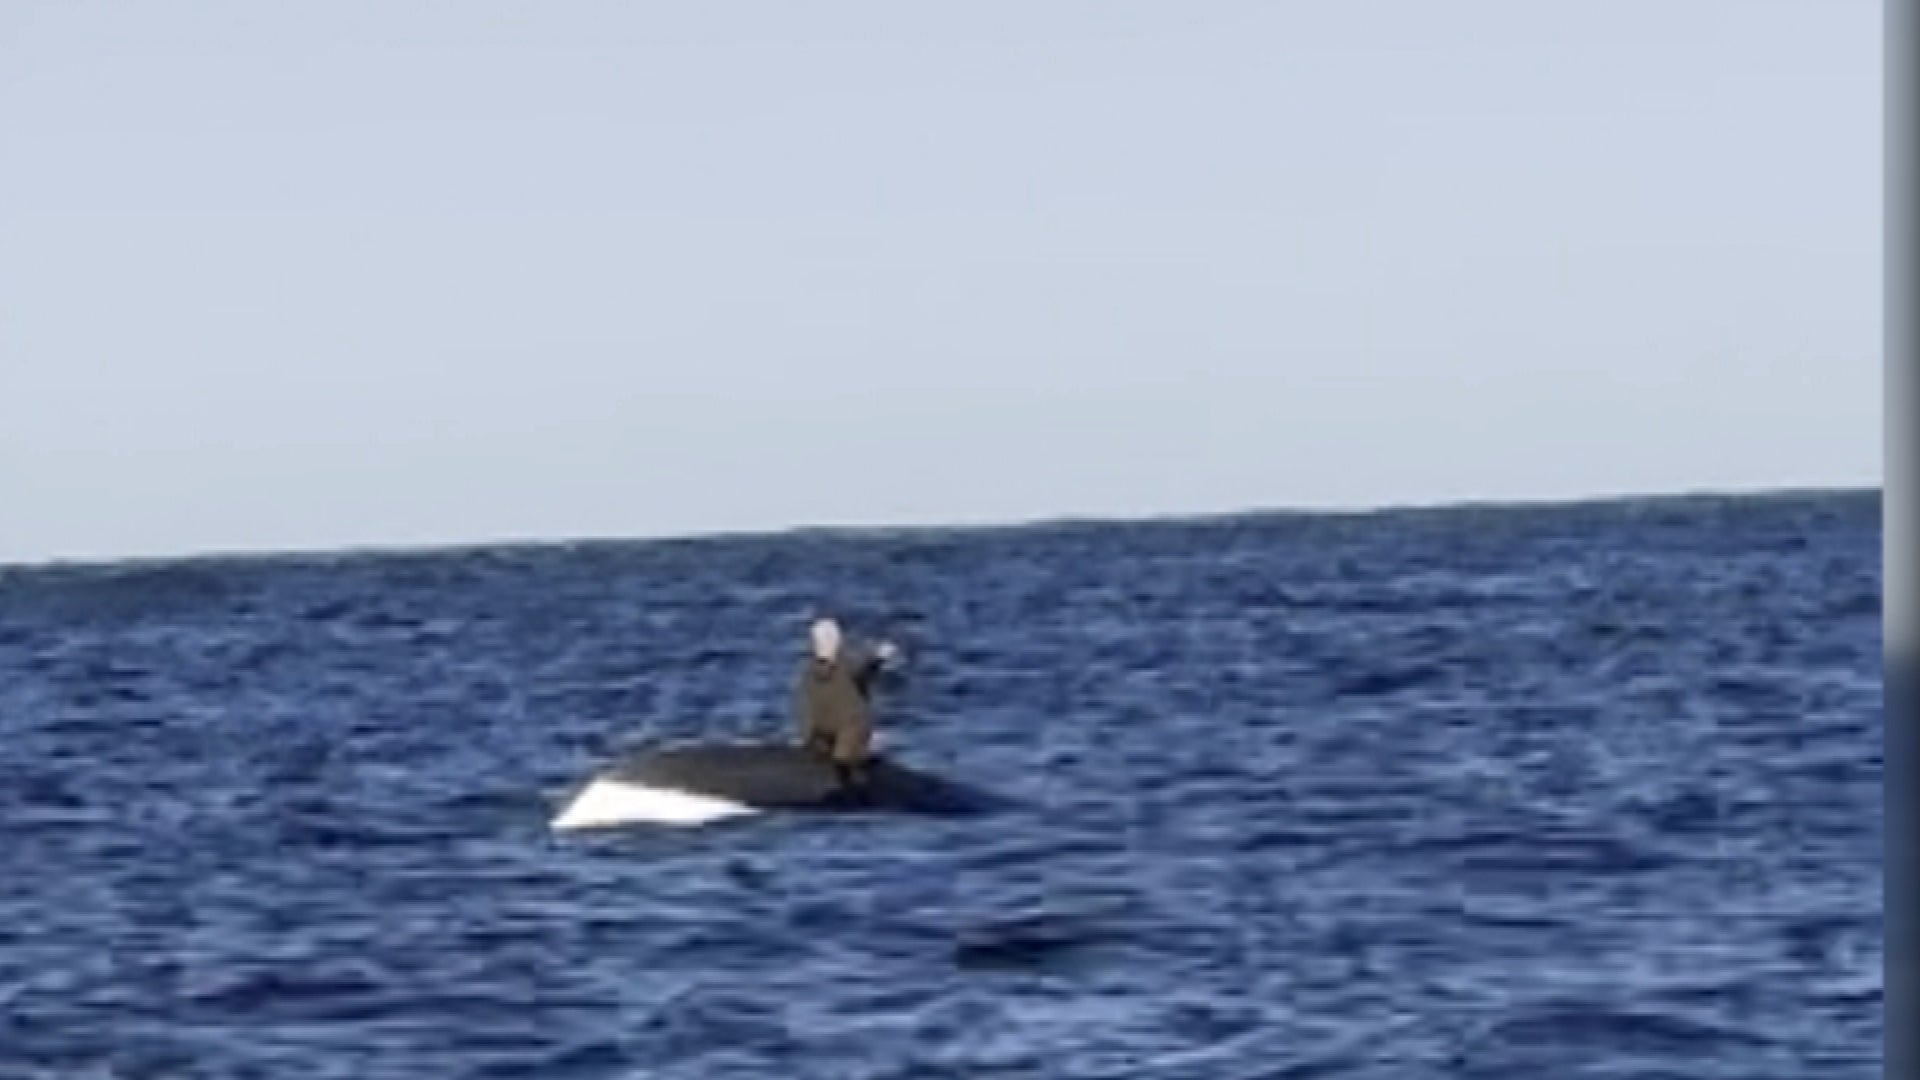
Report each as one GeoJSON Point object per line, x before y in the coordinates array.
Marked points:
{"type": "Point", "coordinates": [314, 276]}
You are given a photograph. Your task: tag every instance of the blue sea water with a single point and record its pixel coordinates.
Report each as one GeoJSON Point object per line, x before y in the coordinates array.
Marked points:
{"type": "Point", "coordinates": [1560, 791]}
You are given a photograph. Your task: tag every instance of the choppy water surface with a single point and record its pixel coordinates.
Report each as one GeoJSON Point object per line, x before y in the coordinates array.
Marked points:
{"type": "Point", "coordinates": [1572, 791]}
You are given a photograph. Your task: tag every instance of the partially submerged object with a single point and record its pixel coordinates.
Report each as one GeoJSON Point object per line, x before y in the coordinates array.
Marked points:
{"type": "Point", "coordinates": [692, 785]}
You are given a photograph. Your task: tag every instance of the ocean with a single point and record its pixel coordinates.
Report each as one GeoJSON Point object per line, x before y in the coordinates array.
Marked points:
{"type": "Point", "coordinates": [1584, 790]}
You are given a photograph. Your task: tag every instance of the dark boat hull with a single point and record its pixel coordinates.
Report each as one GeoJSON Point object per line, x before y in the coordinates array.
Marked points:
{"type": "Point", "coordinates": [706, 781]}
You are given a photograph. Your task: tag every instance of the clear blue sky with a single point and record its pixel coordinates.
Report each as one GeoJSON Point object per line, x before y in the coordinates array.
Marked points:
{"type": "Point", "coordinates": [314, 275]}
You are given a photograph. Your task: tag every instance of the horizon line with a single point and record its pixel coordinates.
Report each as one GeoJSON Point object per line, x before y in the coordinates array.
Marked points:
{"type": "Point", "coordinates": [856, 530]}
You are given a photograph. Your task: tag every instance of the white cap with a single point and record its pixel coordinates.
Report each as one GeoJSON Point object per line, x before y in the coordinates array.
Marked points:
{"type": "Point", "coordinates": [826, 639]}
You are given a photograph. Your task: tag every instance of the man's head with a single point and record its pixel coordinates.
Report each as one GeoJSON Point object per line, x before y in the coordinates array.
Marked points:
{"type": "Point", "coordinates": [826, 639]}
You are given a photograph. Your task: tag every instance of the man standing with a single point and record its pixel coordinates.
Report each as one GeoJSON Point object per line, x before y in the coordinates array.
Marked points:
{"type": "Point", "coordinates": [835, 716]}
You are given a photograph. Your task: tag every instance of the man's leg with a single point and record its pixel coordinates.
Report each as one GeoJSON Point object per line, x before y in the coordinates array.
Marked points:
{"type": "Point", "coordinates": [821, 742]}
{"type": "Point", "coordinates": [850, 756]}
